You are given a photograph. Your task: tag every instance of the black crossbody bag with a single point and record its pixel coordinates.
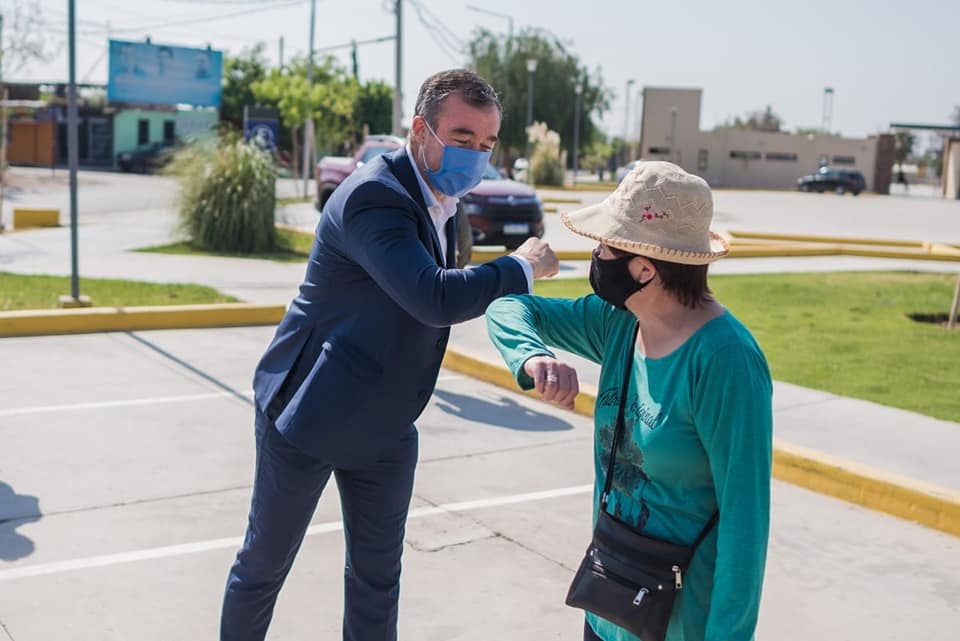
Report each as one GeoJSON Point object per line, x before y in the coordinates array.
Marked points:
{"type": "Point", "coordinates": [627, 577]}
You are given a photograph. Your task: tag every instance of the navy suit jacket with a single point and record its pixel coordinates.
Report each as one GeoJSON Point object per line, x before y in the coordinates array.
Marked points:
{"type": "Point", "coordinates": [355, 360]}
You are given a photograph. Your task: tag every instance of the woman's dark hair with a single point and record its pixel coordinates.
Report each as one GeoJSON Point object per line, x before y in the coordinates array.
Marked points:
{"type": "Point", "coordinates": [435, 90]}
{"type": "Point", "coordinates": [688, 283]}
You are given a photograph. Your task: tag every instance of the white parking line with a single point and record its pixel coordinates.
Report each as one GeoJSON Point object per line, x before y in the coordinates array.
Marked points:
{"type": "Point", "coordinates": [235, 542]}
{"type": "Point", "coordinates": [134, 402]}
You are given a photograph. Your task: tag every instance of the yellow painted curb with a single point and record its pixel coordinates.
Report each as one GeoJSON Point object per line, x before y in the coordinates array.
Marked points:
{"type": "Point", "coordinates": [27, 217]}
{"type": "Point", "coordinates": [929, 505]}
{"type": "Point", "coordinates": [124, 319]}
{"type": "Point", "coordinates": [608, 187]}
{"type": "Point", "coordinates": [484, 255]}
{"type": "Point", "coordinates": [562, 201]}
{"type": "Point", "coordinates": [840, 240]}
{"type": "Point", "coordinates": [738, 249]}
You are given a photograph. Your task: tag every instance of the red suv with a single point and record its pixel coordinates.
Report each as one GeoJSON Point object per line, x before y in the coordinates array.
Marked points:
{"type": "Point", "coordinates": [332, 170]}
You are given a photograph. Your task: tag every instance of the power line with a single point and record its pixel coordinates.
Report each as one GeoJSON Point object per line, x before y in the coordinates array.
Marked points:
{"type": "Point", "coordinates": [96, 64]}
{"type": "Point", "coordinates": [435, 34]}
{"type": "Point", "coordinates": [176, 23]}
{"type": "Point", "coordinates": [97, 28]}
{"type": "Point", "coordinates": [346, 45]}
{"type": "Point", "coordinates": [449, 34]}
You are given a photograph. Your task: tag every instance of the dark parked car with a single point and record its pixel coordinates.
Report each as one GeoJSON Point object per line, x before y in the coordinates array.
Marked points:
{"type": "Point", "coordinates": [146, 158]}
{"type": "Point", "coordinates": [503, 211]}
{"type": "Point", "coordinates": [833, 179]}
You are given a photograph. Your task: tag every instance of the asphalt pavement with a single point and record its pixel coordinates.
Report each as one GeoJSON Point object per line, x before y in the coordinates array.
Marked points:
{"type": "Point", "coordinates": [126, 474]}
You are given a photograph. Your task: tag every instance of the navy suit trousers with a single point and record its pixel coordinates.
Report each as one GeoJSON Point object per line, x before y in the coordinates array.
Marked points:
{"type": "Point", "coordinates": [288, 484]}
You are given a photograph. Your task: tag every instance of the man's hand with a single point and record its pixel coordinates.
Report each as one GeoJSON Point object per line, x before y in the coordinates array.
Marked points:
{"type": "Point", "coordinates": [556, 382]}
{"type": "Point", "coordinates": [540, 257]}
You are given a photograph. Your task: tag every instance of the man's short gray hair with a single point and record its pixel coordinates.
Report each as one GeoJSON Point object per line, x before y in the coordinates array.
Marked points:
{"type": "Point", "coordinates": [435, 90]}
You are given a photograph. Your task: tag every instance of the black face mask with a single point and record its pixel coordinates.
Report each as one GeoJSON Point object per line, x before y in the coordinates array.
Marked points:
{"type": "Point", "coordinates": [611, 279]}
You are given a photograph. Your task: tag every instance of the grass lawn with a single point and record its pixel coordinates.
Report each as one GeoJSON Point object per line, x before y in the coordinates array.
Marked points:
{"type": "Point", "coordinates": [43, 292]}
{"type": "Point", "coordinates": [292, 246]}
{"type": "Point", "coordinates": [846, 333]}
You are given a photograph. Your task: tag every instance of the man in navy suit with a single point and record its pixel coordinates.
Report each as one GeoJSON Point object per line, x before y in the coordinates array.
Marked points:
{"type": "Point", "coordinates": [355, 360]}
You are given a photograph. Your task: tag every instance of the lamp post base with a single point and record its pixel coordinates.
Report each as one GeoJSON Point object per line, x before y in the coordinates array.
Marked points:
{"type": "Point", "coordinates": [69, 302]}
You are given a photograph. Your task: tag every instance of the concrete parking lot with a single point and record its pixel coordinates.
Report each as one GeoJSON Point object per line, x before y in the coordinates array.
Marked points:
{"type": "Point", "coordinates": [125, 471]}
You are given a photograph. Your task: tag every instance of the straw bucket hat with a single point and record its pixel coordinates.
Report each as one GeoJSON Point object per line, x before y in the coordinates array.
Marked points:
{"type": "Point", "coordinates": [659, 211]}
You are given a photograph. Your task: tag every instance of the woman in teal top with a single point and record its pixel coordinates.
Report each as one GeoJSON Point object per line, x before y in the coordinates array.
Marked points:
{"type": "Point", "coordinates": [698, 411]}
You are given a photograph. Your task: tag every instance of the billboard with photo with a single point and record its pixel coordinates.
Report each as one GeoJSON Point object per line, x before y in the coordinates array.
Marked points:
{"type": "Point", "coordinates": [144, 72]}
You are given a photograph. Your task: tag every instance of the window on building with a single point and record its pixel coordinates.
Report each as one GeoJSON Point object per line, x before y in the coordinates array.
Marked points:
{"type": "Point", "coordinates": [169, 131]}
{"type": "Point", "coordinates": [659, 151]}
{"type": "Point", "coordinates": [746, 155]}
{"type": "Point", "coordinates": [777, 155]}
{"type": "Point", "coordinates": [702, 160]}
{"type": "Point", "coordinates": [143, 131]}
{"type": "Point", "coordinates": [844, 160]}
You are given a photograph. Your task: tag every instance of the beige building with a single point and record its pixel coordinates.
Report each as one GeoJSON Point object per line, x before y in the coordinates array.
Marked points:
{"type": "Point", "coordinates": [670, 130]}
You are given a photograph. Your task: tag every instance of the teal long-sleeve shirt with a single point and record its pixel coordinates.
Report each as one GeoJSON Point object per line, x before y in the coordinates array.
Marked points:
{"type": "Point", "coordinates": [698, 438]}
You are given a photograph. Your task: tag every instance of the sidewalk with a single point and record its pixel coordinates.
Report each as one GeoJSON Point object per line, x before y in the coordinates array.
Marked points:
{"type": "Point", "coordinates": [885, 438]}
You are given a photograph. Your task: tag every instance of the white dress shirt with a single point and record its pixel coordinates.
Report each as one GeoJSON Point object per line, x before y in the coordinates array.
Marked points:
{"type": "Point", "coordinates": [443, 210]}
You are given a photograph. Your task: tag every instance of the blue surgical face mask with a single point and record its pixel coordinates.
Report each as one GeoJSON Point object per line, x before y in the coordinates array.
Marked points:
{"type": "Point", "coordinates": [460, 169]}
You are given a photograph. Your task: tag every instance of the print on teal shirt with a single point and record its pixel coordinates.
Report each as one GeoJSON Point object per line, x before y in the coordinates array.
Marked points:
{"type": "Point", "coordinates": [629, 478]}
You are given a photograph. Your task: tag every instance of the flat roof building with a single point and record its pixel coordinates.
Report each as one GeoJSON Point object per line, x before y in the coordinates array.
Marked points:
{"type": "Point", "coordinates": [729, 157]}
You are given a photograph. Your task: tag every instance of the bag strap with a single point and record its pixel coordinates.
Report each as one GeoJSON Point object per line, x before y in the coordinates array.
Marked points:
{"type": "Point", "coordinates": [620, 425]}
{"type": "Point", "coordinates": [618, 435]}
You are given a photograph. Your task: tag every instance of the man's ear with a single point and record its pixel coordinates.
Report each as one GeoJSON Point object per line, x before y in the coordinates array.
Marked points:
{"type": "Point", "coordinates": [418, 126]}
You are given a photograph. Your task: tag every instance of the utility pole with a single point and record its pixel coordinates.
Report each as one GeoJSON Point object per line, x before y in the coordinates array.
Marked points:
{"type": "Point", "coordinates": [281, 53]}
{"type": "Point", "coordinates": [398, 72]}
{"type": "Point", "coordinates": [578, 90]}
{"type": "Point", "coordinates": [74, 299]}
{"type": "Point", "coordinates": [308, 125]}
{"type": "Point", "coordinates": [355, 60]}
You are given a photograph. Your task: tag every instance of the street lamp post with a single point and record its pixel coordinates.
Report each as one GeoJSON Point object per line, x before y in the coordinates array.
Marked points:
{"type": "Point", "coordinates": [578, 90]}
{"type": "Point", "coordinates": [626, 114]}
{"type": "Point", "coordinates": [73, 299]}
{"type": "Point", "coordinates": [673, 134]}
{"type": "Point", "coordinates": [308, 137]}
{"type": "Point", "coordinates": [531, 69]}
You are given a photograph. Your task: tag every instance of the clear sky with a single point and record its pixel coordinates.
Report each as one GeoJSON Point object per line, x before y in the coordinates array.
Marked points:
{"type": "Point", "coordinates": [886, 61]}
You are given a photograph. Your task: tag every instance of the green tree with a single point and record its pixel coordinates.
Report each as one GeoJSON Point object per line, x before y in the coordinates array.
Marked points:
{"type": "Point", "coordinates": [903, 147]}
{"type": "Point", "coordinates": [374, 107]}
{"type": "Point", "coordinates": [504, 64]}
{"type": "Point", "coordinates": [329, 100]}
{"type": "Point", "coordinates": [763, 120]}
{"type": "Point", "coordinates": [240, 73]}
{"type": "Point", "coordinates": [811, 131]}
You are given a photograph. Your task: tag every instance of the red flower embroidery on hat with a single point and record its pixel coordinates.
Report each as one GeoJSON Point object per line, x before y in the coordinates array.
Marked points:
{"type": "Point", "coordinates": [649, 214]}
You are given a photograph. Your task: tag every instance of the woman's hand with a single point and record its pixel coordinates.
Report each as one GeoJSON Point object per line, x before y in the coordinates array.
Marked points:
{"type": "Point", "coordinates": [556, 382]}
